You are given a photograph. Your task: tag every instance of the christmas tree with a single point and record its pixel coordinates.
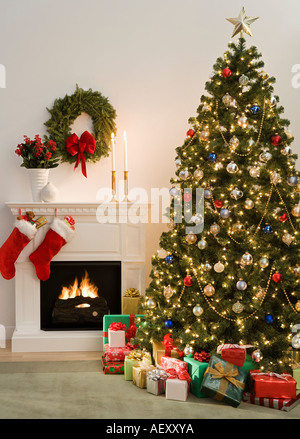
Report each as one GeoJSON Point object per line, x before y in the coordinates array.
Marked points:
{"type": "Point", "coordinates": [238, 280]}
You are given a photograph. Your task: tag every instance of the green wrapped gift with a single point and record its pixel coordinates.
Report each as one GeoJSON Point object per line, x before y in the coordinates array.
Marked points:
{"type": "Point", "coordinates": [135, 358]}
{"type": "Point", "coordinates": [196, 371]}
{"type": "Point", "coordinates": [224, 381]}
{"type": "Point", "coordinates": [128, 319]}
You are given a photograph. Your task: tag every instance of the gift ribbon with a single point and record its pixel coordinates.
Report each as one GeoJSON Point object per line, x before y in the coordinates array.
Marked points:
{"type": "Point", "coordinates": [226, 375]}
{"type": "Point", "coordinates": [86, 144]}
{"type": "Point", "coordinates": [117, 326]}
{"type": "Point", "coordinates": [233, 346]}
{"type": "Point", "coordinates": [168, 343]}
{"type": "Point", "coordinates": [138, 355]}
{"type": "Point", "coordinates": [272, 374]}
{"type": "Point", "coordinates": [157, 374]}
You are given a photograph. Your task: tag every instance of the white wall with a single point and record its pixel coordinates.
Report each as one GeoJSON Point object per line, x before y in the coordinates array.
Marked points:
{"type": "Point", "coordinates": [150, 58]}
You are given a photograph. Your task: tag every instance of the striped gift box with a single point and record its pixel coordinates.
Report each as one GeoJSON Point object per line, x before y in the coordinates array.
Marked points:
{"type": "Point", "coordinates": [273, 403]}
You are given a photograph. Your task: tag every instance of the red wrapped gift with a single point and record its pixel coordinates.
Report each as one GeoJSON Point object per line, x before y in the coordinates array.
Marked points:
{"type": "Point", "coordinates": [116, 354]}
{"type": "Point", "coordinates": [272, 385]}
{"type": "Point", "coordinates": [173, 363]}
{"type": "Point", "coordinates": [284, 404]}
{"type": "Point", "coordinates": [112, 367]}
{"type": "Point", "coordinates": [233, 353]}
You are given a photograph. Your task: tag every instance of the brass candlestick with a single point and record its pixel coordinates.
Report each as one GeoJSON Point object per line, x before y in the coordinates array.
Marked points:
{"type": "Point", "coordinates": [126, 185]}
{"type": "Point", "coordinates": [113, 185]}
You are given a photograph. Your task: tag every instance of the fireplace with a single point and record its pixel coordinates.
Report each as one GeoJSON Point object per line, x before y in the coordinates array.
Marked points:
{"type": "Point", "coordinates": [97, 245]}
{"type": "Point", "coordinates": [79, 293]}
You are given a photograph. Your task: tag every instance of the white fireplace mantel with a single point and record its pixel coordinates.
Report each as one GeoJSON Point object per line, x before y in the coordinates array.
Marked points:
{"type": "Point", "coordinates": [98, 237]}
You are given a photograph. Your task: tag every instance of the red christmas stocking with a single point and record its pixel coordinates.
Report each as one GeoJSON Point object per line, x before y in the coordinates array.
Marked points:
{"type": "Point", "coordinates": [60, 232]}
{"type": "Point", "coordinates": [21, 235]}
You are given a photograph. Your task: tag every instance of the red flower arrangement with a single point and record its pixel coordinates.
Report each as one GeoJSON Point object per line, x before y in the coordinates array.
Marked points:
{"type": "Point", "coordinates": [37, 153]}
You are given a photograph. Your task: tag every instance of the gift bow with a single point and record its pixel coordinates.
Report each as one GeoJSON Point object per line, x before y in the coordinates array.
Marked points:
{"type": "Point", "coordinates": [117, 326]}
{"type": "Point", "coordinates": [234, 346]}
{"type": "Point", "coordinates": [86, 144]}
{"type": "Point", "coordinates": [130, 333]}
{"type": "Point", "coordinates": [138, 355]}
{"type": "Point", "coordinates": [157, 374]}
{"type": "Point", "coordinates": [202, 356]}
{"type": "Point", "coordinates": [226, 375]}
{"type": "Point", "coordinates": [173, 374]}
{"type": "Point", "coordinates": [132, 292]}
{"type": "Point", "coordinates": [168, 343]}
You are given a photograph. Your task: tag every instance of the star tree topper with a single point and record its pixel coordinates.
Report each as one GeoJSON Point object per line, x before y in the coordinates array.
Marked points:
{"type": "Point", "coordinates": [242, 23]}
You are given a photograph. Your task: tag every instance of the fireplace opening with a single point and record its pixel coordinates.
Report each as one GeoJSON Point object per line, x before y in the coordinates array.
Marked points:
{"type": "Point", "coordinates": [78, 294]}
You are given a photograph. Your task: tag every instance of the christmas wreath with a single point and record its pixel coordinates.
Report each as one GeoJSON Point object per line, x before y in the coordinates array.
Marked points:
{"type": "Point", "coordinates": [90, 147]}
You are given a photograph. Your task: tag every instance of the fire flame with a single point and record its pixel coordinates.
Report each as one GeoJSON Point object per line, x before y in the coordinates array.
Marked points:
{"type": "Point", "coordinates": [85, 289]}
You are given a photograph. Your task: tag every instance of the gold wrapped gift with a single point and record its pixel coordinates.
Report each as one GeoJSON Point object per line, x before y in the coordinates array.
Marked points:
{"type": "Point", "coordinates": [159, 350]}
{"type": "Point", "coordinates": [131, 301]}
{"type": "Point", "coordinates": [139, 375]}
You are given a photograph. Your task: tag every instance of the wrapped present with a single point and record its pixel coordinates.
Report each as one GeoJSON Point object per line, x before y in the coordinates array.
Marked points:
{"type": "Point", "coordinates": [177, 385]}
{"type": "Point", "coordinates": [131, 301]}
{"type": "Point", "coordinates": [131, 321]}
{"type": "Point", "coordinates": [224, 381]}
{"type": "Point", "coordinates": [196, 370]}
{"type": "Point", "coordinates": [139, 375]}
{"type": "Point", "coordinates": [284, 404]}
{"type": "Point", "coordinates": [156, 379]}
{"type": "Point", "coordinates": [165, 348]}
{"type": "Point", "coordinates": [116, 354]}
{"type": "Point", "coordinates": [272, 385]}
{"type": "Point", "coordinates": [233, 353]}
{"type": "Point", "coordinates": [173, 363]}
{"type": "Point", "coordinates": [116, 335]}
{"type": "Point", "coordinates": [112, 367]}
{"type": "Point", "coordinates": [135, 358]}
{"type": "Point", "coordinates": [296, 376]}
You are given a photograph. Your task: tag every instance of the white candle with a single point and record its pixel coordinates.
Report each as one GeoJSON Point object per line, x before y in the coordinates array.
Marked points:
{"type": "Point", "coordinates": [125, 151]}
{"type": "Point", "coordinates": [113, 159]}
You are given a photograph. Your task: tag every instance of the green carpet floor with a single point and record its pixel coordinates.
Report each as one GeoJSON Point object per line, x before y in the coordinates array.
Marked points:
{"type": "Point", "coordinates": [80, 390]}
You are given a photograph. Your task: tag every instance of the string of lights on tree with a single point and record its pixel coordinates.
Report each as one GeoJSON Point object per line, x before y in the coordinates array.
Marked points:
{"type": "Point", "coordinates": [241, 272]}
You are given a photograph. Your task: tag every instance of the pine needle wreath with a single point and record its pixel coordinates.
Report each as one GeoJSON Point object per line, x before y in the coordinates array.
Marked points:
{"type": "Point", "coordinates": [66, 110]}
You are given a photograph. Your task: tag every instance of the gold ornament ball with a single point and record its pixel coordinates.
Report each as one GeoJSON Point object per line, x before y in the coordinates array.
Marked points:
{"type": "Point", "coordinates": [198, 174]}
{"type": "Point", "coordinates": [254, 171]}
{"type": "Point", "coordinates": [297, 306]}
{"type": "Point", "coordinates": [168, 292]}
{"type": "Point", "coordinates": [209, 290]}
{"type": "Point", "coordinates": [204, 135]}
{"type": "Point", "coordinates": [287, 238]}
{"type": "Point", "coordinates": [219, 267]}
{"type": "Point", "coordinates": [249, 204]}
{"type": "Point", "coordinates": [191, 238]}
{"type": "Point", "coordinates": [162, 253]}
{"type": "Point", "coordinates": [296, 211]}
{"type": "Point", "coordinates": [202, 244]}
{"type": "Point", "coordinates": [247, 259]}
{"type": "Point", "coordinates": [150, 303]}
{"type": "Point", "coordinates": [197, 310]}
{"type": "Point", "coordinates": [237, 307]}
{"type": "Point", "coordinates": [264, 262]}
{"type": "Point", "coordinates": [234, 142]}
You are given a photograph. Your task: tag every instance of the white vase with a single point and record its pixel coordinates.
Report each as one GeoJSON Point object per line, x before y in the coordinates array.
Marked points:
{"type": "Point", "coordinates": [38, 178]}
{"type": "Point", "coordinates": [49, 193]}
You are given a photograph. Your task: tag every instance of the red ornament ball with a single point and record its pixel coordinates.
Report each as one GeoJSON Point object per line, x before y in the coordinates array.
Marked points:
{"type": "Point", "coordinates": [218, 203]}
{"type": "Point", "coordinates": [187, 197]}
{"type": "Point", "coordinates": [226, 72]}
{"type": "Point", "coordinates": [283, 218]}
{"type": "Point", "coordinates": [277, 277]}
{"type": "Point", "coordinates": [188, 281]}
{"type": "Point", "coordinates": [276, 140]}
{"type": "Point", "coordinates": [190, 133]}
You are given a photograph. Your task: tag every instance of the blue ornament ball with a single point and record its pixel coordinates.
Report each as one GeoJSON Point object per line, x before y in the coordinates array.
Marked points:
{"type": "Point", "coordinates": [292, 181]}
{"type": "Point", "coordinates": [169, 324]}
{"type": "Point", "coordinates": [269, 318]}
{"type": "Point", "coordinates": [169, 259]}
{"type": "Point", "coordinates": [267, 229]}
{"type": "Point", "coordinates": [224, 213]}
{"type": "Point", "coordinates": [255, 109]}
{"type": "Point", "coordinates": [212, 157]}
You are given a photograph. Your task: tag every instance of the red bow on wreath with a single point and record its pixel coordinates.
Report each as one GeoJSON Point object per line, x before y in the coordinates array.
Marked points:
{"type": "Point", "coordinates": [86, 144]}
